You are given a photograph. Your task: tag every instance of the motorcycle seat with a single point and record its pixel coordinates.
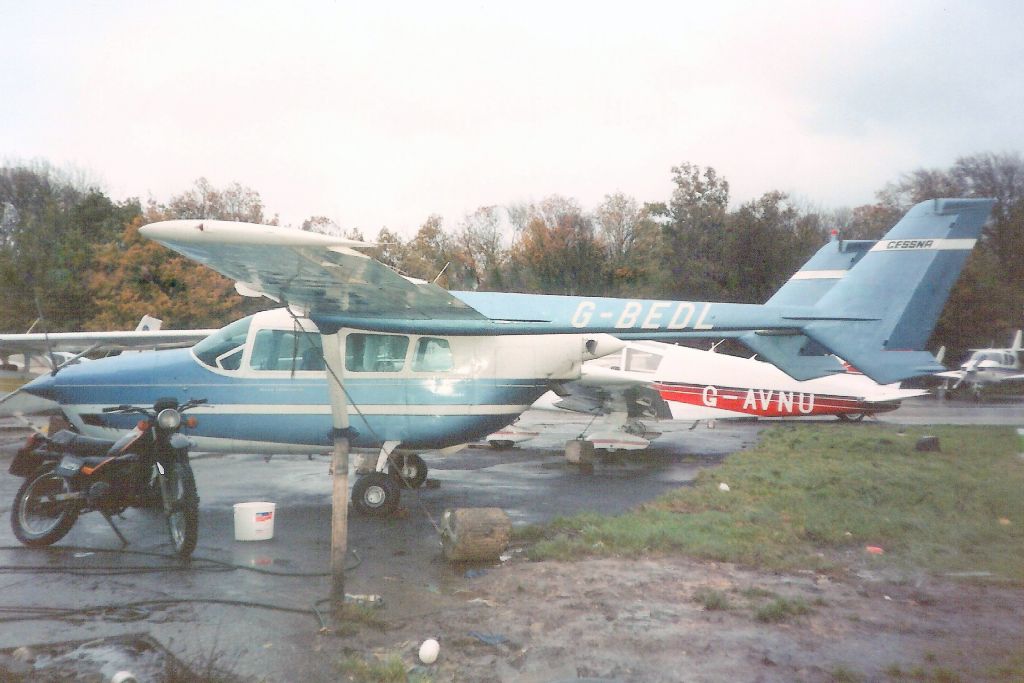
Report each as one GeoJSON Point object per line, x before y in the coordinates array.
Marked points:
{"type": "Point", "coordinates": [84, 446]}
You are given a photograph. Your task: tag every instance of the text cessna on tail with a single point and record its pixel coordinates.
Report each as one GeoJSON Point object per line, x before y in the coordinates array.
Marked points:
{"type": "Point", "coordinates": [420, 367]}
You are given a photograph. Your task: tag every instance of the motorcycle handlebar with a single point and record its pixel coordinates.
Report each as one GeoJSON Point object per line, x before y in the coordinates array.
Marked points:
{"type": "Point", "coordinates": [191, 403]}
{"type": "Point", "coordinates": [118, 409]}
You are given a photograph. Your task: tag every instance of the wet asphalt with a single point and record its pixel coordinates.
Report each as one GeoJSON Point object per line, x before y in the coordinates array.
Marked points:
{"type": "Point", "coordinates": [397, 558]}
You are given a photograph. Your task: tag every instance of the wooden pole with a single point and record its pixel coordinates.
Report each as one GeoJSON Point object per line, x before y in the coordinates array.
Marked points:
{"type": "Point", "coordinates": [334, 357]}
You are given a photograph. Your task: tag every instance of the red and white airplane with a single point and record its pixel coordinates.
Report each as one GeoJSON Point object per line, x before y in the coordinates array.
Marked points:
{"type": "Point", "coordinates": [650, 380]}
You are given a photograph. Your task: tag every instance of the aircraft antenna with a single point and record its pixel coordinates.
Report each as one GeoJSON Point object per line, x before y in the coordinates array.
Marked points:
{"type": "Point", "coordinates": [434, 281]}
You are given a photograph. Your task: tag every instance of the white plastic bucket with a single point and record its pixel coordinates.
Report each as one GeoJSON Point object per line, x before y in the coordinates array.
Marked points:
{"type": "Point", "coordinates": [254, 521]}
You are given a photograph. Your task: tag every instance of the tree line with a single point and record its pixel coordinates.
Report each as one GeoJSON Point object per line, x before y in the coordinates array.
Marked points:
{"type": "Point", "coordinates": [72, 256]}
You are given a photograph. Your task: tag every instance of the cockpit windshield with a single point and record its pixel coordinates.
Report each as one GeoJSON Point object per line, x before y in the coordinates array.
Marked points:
{"type": "Point", "coordinates": [223, 349]}
{"type": "Point", "coordinates": [994, 356]}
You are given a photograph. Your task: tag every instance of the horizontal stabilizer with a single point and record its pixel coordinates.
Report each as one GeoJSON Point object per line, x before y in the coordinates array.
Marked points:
{"type": "Point", "coordinates": [884, 367]}
{"type": "Point", "coordinates": [796, 355]}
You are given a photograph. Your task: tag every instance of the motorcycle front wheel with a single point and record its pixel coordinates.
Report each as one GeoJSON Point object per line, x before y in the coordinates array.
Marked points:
{"type": "Point", "coordinates": [36, 518]}
{"type": "Point", "coordinates": [181, 505]}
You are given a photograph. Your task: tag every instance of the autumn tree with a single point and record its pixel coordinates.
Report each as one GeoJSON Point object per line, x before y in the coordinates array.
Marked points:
{"type": "Point", "coordinates": [49, 227]}
{"type": "Point", "coordinates": [434, 255]}
{"type": "Point", "coordinates": [632, 241]}
{"type": "Point", "coordinates": [558, 252]}
{"type": "Point", "coordinates": [694, 221]}
{"type": "Point", "coordinates": [764, 242]}
{"type": "Point", "coordinates": [203, 200]}
{"type": "Point", "coordinates": [133, 276]}
{"type": "Point", "coordinates": [480, 240]}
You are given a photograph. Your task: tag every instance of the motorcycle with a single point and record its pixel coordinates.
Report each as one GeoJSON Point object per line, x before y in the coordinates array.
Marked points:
{"type": "Point", "coordinates": [69, 474]}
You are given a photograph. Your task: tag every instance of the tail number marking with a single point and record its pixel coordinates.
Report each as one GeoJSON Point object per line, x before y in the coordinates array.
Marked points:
{"type": "Point", "coordinates": [655, 315]}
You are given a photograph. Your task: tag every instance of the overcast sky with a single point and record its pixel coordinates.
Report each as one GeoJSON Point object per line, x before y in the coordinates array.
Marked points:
{"type": "Point", "coordinates": [380, 114]}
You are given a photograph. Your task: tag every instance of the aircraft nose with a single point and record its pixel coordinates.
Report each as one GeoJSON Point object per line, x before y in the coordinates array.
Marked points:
{"type": "Point", "coordinates": [35, 397]}
{"type": "Point", "coordinates": [43, 386]}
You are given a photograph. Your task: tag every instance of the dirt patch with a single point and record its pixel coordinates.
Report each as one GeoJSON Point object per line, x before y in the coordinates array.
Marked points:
{"type": "Point", "coordinates": [651, 620]}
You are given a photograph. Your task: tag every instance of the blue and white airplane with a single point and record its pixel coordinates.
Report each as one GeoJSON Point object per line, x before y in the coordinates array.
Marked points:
{"type": "Point", "coordinates": [426, 368]}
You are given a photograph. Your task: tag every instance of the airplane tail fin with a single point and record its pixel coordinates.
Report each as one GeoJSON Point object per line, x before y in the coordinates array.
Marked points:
{"type": "Point", "coordinates": [149, 324]}
{"type": "Point", "coordinates": [880, 315]}
{"type": "Point", "coordinates": [1017, 339]}
{"type": "Point", "coordinates": [820, 274]}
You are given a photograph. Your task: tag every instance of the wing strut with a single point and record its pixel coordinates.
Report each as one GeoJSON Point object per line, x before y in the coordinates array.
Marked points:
{"type": "Point", "coordinates": [334, 356]}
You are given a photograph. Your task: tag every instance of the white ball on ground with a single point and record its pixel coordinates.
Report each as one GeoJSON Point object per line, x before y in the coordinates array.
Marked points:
{"type": "Point", "coordinates": [429, 651]}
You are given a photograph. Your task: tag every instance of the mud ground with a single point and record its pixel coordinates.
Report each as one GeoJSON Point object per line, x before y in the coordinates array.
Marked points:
{"type": "Point", "coordinates": [623, 619]}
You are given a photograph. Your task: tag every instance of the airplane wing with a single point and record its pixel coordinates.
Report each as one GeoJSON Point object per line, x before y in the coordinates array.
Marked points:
{"type": "Point", "coordinates": [950, 374]}
{"type": "Point", "coordinates": [320, 273]}
{"type": "Point", "coordinates": [895, 394]}
{"type": "Point", "coordinates": [77, 342]}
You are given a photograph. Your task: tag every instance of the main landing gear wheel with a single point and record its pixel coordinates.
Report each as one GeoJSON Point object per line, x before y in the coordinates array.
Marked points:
{"type": "Point", "coordinates": [850, 417]}
{"type": "Point", "coordinates": [409, 471]}
{"type": "Point", "coordinates": [375, 494]}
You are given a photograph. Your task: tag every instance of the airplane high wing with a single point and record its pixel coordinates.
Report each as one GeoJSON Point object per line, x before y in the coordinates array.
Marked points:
{"type": "Point", "coordinates": [878, 317]}
{"type": "Point", "coordinates": [320, 273]}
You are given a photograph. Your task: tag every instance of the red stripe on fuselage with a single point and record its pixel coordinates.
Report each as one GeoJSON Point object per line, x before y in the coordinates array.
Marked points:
{"type": "Point", "coordinates": [767, 402]}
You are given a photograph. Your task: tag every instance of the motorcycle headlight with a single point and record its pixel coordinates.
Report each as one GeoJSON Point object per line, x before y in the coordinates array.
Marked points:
{"type": "Point", "coordinates": [169, 418]}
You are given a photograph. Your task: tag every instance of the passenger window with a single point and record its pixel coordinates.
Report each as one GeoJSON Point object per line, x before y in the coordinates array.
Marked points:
{"type": "Point", "coordinates": [432, 355]}
{"type": "Point", "coordinates": [286, 350]}
{"type": "Point", "coordinates": [375, 352]}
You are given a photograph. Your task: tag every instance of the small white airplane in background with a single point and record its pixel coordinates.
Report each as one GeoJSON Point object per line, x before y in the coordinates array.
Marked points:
{"type": "Point", "coordinates": [989, 366]}
{"type": "Point", "coordinates": [657, 381]}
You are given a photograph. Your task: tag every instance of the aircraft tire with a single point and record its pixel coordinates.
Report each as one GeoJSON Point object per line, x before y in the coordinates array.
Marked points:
{"type": "Point", "coordinates": [850, 417]}
{"type": "Point", "coordinates": [375, 494]}
{"type": "Point", "coordinates": [409, 471]}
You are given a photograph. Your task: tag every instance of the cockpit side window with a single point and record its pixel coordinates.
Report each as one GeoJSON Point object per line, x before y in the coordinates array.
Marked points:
{"type": "Point", "coordinates": [286, 350]}
{"type": "Point", "coordinates": [641, 361]}
{"type": "Point", "coordinates": [217, 349]}
{"type": "Point", "coordinates": [375, 352]}
{"type": "Point", "coordinates": [432, 355]}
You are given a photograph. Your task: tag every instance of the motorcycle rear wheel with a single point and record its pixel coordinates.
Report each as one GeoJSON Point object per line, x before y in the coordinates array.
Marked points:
{"type": "Point", "coordinates": [181, 506]}
{"type": "Point", "coordinates": [37, 522]}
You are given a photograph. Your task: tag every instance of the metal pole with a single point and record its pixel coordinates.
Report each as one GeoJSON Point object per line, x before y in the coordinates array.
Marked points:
{"type": "Point", "coordinates": [334, 357]}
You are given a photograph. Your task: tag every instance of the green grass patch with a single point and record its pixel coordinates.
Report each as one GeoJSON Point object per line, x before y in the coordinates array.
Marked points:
{"type": "Point", "coordinates": [388, 670]}
{"type": "Point", "coordinates": [781, 609]}
{"type": "Point", "coordinates": [813, 496]}
{"type": "Point", "coordinates": [711, 600]}
{"type": "Point", "coordinates": [756, 593]}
